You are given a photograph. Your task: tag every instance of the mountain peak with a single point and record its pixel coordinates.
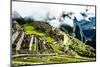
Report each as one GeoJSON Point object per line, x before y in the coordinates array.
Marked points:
{"type": "Point", "coordinates": [15, 15]}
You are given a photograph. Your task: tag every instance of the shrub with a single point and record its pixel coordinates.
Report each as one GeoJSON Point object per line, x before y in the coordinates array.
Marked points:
{"type": "Point", "coordinates": [82, 49]}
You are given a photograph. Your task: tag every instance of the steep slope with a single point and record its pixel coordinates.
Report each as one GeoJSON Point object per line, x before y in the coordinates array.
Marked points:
{"type": "Point", "coordinates": [83, 27]}
{"type": "Point", "coordinates": [40, 43]}
{"type": "Point", "coordinates": [53, 40]}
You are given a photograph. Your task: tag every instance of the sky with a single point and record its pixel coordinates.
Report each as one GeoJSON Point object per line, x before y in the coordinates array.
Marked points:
{"type": "Point", "coordinates": [40, 10]}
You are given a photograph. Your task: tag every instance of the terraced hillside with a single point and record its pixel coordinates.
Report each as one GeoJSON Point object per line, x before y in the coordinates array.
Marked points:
{"type": "Point", "coordinates": [40, 43]}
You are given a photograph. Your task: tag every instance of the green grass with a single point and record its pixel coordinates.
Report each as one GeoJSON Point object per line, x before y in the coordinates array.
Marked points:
{"type": "Point", "coordinates": [49, 39]}
{"type": "Point", "coordinates": [56, 48]}
{"type": "Point", "coordinates": [33, 47]}
{"type": "Point", "coordinates": [81, 48]}
{"type": "Point", "coordinates": [65, 59]}
{"type": "Point", "coordinates": [29, 29]}
{"type": "Point", "coordinates": [48, 59]}
{"type": "Point", "coordinates": [30, 59]}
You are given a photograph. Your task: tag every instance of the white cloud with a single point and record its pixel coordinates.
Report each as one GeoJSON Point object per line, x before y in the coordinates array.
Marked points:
{"type": "Point", "coordinates": [27, 9]}
{"type": "Point", "coordinates": [39, 11]}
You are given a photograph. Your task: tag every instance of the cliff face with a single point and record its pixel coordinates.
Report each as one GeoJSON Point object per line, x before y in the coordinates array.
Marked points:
{"type": "Point", "coordinates": [83, 29]}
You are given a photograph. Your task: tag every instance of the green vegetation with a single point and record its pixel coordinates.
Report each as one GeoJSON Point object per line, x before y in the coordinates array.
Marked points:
{"type": "Point", "coordinates": [48, 59]}
{"type": "Point", "coordinates": [81, 48]}
{"type": "Point", "coordinates": [33, 47]}
{"type": "Point", "coordinates": [29, 59]}
{"type": "Point", "coordinates": [52, 50]}
{"type": "Point", "coordinates": [56, 49]}
{"type": "Point", "coordinates": [49, 39]}
{"type": "Point", "coordinates": [29, 29]}
{"type": "Point", "coordinates": [75, 45]}
{"type": "Point", "coordinates": [66, 59]}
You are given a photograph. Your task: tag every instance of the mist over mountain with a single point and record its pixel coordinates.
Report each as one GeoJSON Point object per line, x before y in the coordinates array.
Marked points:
{"type": "Point", "coordinates": [45, 33]}
{"type": "Point", "coordinates": [82, 24]}
{"type": "Point", "coordinates": [84, 27]}
{"type": "Point", "coordinates": [15, 15]}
